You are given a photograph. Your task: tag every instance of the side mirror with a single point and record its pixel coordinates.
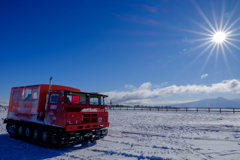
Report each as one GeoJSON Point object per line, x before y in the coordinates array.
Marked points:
{"type": "Point", "coordinates": [60, 98]}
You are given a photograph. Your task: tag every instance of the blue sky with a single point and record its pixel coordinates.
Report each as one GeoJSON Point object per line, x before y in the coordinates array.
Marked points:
{"type": "Point", "coordinates": [115, 47]}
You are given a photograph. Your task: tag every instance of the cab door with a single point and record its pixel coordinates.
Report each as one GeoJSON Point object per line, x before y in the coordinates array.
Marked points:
{"type": "Point", "coordinates": [54, 108]}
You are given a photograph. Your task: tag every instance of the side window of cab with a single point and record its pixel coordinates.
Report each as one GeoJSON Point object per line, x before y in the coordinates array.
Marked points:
{"type": "Point", "coordinates": [54, 98]}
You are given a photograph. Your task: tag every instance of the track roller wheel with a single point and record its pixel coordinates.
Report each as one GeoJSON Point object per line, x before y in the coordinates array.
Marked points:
{"type": "Point", "coordinates": [20, 131]}
{"type": "Point", "coordinates": [11, 130]}
{"type": "Point", "coordinates": [55, 139]}
{"type": "Point", "coordinates": [27, 132]}
{"type": "Point", "coordinates": [44, 136]}
{"type": "Point", "coordinates": [35, 134]}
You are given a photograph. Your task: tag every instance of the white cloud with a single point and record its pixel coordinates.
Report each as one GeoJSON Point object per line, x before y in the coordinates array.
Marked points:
{"type": "Point", "coordinates": [149, 102]}
{"type": "Point", "coordinates": [129, 86]}
{"type": "Point", "coordinates": [144, 92]}
{"type": "Point", "coordinates": [145, 86]}
{"type": "Point", "coordinates": [204, 76]}
{"type": "Point", "coordinates": [164, 83]}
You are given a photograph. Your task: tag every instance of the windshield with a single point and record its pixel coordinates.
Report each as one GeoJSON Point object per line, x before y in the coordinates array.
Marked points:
{"type": "Point", "coordinates": [77, 98]}
{"type": "Point", "coordinates": [95, 100]}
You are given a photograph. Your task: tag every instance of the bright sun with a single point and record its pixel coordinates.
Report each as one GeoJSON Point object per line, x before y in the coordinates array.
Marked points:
{"type": "Point", "coordinates": [219, 37]}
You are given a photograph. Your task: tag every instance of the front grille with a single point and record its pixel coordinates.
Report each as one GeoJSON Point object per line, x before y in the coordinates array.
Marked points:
{"type": "Point", "coordinates": [89, 118]}
{"type": "Point", "coordinates": [94, 118]}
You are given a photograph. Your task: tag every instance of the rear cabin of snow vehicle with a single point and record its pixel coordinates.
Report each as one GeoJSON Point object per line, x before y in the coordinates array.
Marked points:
{"type": "Point", "coordinates": [56, 116]}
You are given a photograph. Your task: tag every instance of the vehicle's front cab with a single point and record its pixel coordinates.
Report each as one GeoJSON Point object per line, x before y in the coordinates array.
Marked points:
{"type": "Point", "coordinates": [76, 110]}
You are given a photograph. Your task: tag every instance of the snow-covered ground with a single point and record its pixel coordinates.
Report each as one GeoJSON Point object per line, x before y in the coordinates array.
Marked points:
{"type": "Point", "coordinates": [145, 135]}
{"type": "Point", "coordinates": [3, 108]}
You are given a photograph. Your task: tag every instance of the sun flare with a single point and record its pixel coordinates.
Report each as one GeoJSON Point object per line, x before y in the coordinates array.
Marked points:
{"type": "Point", "coordinates": [219, 37]}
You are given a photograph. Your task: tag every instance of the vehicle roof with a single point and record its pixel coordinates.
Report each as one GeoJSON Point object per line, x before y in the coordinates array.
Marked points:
{"type": "Point", "coordinates": [28, 86]}
{"type": "Point", "coordinates": [93, 93]}
{"type": "Point", "coordinates": [53, 87]}
{"type": "Point", "coordinates": [64, 88]}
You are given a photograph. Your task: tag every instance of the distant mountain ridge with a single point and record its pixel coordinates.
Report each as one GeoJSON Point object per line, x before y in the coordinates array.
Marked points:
{"type": "Point", "coordinates": [219, 102]}
{"type": "Point", "coordinates": [236, 100]}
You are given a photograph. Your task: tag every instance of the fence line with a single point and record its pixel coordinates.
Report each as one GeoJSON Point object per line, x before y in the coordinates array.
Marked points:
{"type": "Point", "coordinates": [220, 110]}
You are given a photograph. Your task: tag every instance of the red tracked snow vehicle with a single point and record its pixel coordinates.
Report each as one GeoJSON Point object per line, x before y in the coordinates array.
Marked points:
{"type": "Point", "coordinates": [56, 116]}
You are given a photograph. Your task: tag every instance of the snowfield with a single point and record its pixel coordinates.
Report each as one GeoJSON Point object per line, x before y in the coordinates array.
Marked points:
{"type": "Point", "coordinates": [145, 135]}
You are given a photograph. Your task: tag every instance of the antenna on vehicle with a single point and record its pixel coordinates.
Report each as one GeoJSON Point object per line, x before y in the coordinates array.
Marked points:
{"type": "Point", "coordinates": [50, 84]}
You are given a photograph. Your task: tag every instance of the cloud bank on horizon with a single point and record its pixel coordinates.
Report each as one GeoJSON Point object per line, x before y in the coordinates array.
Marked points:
{"type": "Point", "coordinates": [147, 92]}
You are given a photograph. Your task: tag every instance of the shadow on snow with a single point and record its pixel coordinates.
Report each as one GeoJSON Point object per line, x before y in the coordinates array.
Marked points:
{"type": "Point", "coordinates": [11, 148]}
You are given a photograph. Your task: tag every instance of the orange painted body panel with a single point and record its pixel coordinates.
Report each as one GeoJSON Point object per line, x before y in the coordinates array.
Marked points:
{"type": "Point", "coordinates": [28, 110]}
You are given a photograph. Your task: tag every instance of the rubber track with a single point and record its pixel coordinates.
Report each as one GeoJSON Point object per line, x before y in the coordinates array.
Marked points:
{"type": "Point", "coordinates": [66, 138]}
